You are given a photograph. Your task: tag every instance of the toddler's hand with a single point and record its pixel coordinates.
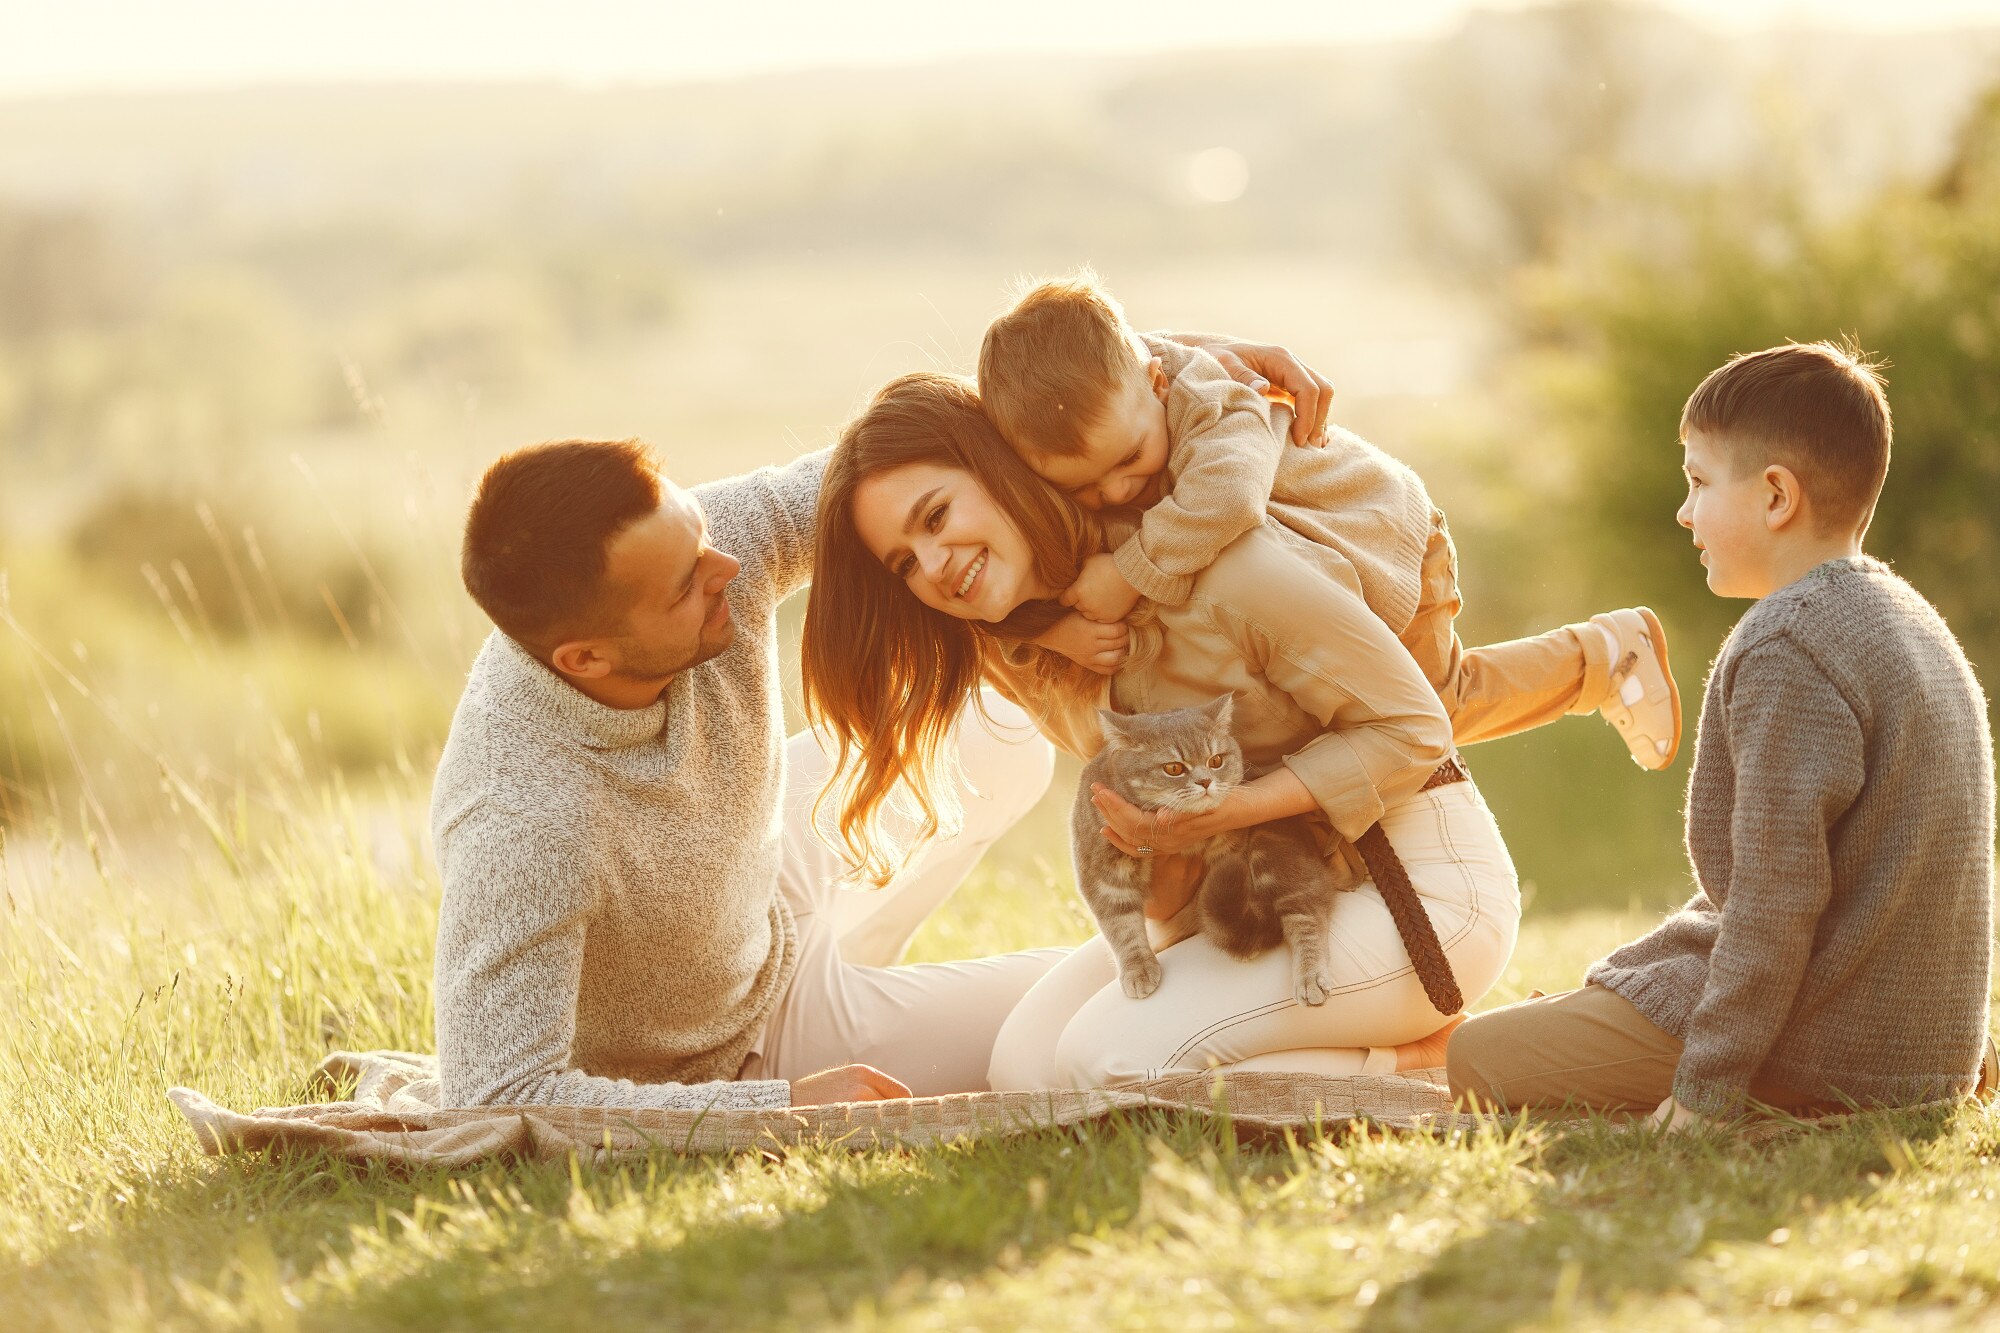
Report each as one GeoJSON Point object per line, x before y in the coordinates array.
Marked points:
{"type": "Point", "coordinates": [1101, 592]}
{"type": "Point", "coordinates": [1102, 648]}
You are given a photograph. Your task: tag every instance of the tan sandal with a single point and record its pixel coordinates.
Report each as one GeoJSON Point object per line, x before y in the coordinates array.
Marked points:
{"type": "Point", "coordinates": [1644, 704]}
{"type": "Point", "coordinates": [1989, 1072]}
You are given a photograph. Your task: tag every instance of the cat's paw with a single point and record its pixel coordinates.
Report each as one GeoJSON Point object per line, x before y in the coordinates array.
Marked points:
{"type": "Point", "coordinates": [1312, 985]}
{"type": "Point", "coordinates": [1140, 977]}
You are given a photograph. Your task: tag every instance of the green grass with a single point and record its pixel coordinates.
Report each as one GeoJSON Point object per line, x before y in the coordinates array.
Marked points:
{"type": "Point", "coordinates": [236, 982]}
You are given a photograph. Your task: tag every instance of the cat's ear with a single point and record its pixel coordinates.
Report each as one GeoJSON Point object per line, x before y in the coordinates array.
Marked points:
{"type": "Point", "coordinates": [1220, 710]}
{"type": "Point", "coordinates": [1115, 729]}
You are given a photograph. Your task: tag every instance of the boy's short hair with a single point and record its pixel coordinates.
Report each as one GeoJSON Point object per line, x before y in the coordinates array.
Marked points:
{"type": "Point", "coordinates": [1817, 408]}
{"type": "Point", "coordinates": [539, 531]}
{"type": "Point", "coordinates": [1048, 365]}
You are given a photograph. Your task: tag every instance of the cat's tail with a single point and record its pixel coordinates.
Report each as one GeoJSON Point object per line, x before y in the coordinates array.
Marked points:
{"type": "Point", "coordinates": [1243, 921]}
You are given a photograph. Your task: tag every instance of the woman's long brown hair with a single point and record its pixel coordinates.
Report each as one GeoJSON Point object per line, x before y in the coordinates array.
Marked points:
{"type": "Point", "coordinates": [886, 676]}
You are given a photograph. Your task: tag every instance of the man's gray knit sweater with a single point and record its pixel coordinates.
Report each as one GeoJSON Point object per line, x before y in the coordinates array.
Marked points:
{"type": "Point", "coordinates": [1840, 821]}
{"type": "Point", "coordinates": [612, 932]}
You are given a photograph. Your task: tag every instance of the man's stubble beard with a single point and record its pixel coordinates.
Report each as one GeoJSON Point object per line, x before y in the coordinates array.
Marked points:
{"type": "Point", "coordinates": [638, 663]}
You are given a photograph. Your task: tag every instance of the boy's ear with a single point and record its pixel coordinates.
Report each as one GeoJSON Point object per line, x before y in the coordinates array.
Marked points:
{"type": "Point", "coordinates": [1784, 497]}
{"type": "Point", "coordinates": [1156, 375]}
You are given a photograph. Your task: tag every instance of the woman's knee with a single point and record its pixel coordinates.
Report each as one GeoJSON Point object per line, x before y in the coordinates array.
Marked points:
{"type": "Point", "coordinates": [1096, 1055]}
{"type": "Point", "coordinates": [1020, 1060]}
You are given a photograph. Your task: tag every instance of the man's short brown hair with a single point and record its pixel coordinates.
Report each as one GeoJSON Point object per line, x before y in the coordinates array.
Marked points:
{"type": "Point", "coordinates": [1048, 365]}
{"type": "Point", "coordinates": [1817, 408]}
{"type": "Point", "coordinates": [538, 533]}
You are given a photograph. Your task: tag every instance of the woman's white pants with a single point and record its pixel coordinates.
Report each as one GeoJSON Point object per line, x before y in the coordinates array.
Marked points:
{"type": "Point", "coordinates": [1077, 1027]}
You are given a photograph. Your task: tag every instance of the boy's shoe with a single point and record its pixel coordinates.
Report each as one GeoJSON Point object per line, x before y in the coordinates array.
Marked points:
{"type": "Point", "coordinates": [1644, 704]}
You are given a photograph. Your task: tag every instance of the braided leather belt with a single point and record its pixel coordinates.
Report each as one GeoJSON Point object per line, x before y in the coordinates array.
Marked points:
{"type": "Point", "coordinates": [1392, 880]}
{"type": "Point", "coordinates": [1450, 771]}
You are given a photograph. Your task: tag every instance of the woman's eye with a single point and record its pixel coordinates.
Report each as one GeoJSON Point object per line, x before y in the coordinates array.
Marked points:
{"type": "Point", "coordinates": [934, 519]}
{"type": "Point", "coordinates": [1176, 770]}
{"type": "Point", "coordinates": [903, 567]}
{"type": "Point", "coordinates": [1215, 761]}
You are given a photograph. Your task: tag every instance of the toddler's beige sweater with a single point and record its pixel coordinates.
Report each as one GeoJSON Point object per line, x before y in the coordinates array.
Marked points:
{"type": "Point", "coordinates": [1229, 463]}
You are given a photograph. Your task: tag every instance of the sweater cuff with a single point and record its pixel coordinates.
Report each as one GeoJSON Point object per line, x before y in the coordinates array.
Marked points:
{"type": "Point", "coordinates": [1153, 583]}
{"type": "Point", "coordinates": [1596, 667]}
{"type": "Point", "coordinates": [1707, 1097]}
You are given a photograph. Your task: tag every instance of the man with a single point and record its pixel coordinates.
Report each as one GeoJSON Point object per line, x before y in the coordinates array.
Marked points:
{"type": "Point", "coordinates": [636, 910]}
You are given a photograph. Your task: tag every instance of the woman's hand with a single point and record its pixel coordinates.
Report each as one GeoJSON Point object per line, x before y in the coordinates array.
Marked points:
{"type": "Point", "coordinates": [1266, 366]}
{"type": "Point", "coordinates": [1138, 832]}
{"type": "Point", "coordinates": [1101, 648]}
{"type": "Point", "coordinates": [1279, 794]}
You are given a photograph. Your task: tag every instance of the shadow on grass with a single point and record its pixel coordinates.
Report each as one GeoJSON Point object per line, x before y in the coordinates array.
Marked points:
{"type": "Point", "coordinates": [1619, 1211]}
{"type": "Point", "coordinates": [688, 1242]}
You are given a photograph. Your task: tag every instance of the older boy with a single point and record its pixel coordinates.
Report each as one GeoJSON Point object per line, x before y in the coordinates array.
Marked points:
{"type": "Point", "coordinates": [1839, 817]}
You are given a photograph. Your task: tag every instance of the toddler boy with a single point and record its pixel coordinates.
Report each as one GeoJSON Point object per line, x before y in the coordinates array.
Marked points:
{"type": "Point", "coordinates": [1119, 419]}
{"type": "Point", "coordinates": [1839, 817]}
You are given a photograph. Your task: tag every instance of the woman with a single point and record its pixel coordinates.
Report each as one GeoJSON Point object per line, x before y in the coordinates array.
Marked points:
{"type": "Point", "coordinates": [940, 554]}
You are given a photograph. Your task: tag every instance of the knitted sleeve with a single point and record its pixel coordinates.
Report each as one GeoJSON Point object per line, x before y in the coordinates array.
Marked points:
{"type": "Point", "coordinates": [768, 520]}
{"type": "Point", "coordinates": [1796, 749]}
{"type": "Point", "coordinates": [509, 964]}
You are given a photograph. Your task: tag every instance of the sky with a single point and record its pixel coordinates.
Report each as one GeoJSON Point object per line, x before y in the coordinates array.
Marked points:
{"type": "Point", "coordinates": [70, 46]}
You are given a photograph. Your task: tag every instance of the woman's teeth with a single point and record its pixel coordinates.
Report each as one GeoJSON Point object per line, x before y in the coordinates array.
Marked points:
{"type": "Point", "coordinates": [971, 573]}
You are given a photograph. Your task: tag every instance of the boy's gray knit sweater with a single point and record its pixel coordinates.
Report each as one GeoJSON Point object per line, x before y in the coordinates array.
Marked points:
{"type": "Point", "coordinates": [1840, 821]}
{"type": "Point", "coordinates": [612, 930]}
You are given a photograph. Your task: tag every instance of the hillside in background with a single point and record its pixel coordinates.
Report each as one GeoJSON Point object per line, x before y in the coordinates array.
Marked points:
{"type": "Point", "coordinates": [255, 344]}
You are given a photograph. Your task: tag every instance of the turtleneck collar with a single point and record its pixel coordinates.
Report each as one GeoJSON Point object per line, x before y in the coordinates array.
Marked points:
{"type": "Point", "coordinates": [533, 688]}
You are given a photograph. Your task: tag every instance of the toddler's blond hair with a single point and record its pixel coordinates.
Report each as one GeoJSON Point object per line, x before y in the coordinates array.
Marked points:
{"type": "Point", "coordinates": [1048, 365]}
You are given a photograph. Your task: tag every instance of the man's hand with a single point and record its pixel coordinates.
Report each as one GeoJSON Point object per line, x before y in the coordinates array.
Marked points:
{"type": "Point", "coordinates": [848, 1083]}
{"type": "Point", "coordinates": [1101, 648]}
{"type": "Point", "coordinates": [1100, 592]}
{"type": "Point", "coordinates": [1265, 367]}
{"type": "Point", "coordinates": [1672, 1116]}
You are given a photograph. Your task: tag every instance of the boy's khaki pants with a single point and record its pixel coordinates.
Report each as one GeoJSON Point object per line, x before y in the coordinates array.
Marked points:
{"type": "Point", "coordinates": [1584, 1048]}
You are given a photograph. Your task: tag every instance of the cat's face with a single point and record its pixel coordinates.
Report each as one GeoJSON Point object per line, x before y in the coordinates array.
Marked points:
{"type": "Point", "coordinates": [1183, 760]}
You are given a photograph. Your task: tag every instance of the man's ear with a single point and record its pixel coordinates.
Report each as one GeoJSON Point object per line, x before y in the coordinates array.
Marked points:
{"type": "Point", "coordinates": [1784, 497]}
{"type": "Point", "coordinates": [585, 659]}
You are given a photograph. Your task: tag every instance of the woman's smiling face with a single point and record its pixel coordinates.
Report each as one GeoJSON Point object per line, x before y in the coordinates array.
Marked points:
{"type": "Point", "coordinates": [937, 530]}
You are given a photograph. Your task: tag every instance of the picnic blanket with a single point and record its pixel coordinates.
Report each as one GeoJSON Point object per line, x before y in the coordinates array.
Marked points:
{"type": "Point", "coordinates": [392, 1115]}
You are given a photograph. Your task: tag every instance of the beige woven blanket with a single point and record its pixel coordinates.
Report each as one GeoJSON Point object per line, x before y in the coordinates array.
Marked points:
{"type": "Point", "coordinates": [392, 1115]}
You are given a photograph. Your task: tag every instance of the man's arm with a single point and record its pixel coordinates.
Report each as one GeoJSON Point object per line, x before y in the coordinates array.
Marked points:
{"type": "Point", "coordinates": [509, 968]}
{"type": "Point", "coordinates": [1797, 750]}
{"type": "Point", "coordinates": [768, 520]}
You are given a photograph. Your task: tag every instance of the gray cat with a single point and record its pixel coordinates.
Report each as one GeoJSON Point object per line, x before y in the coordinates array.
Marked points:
{"type": "Point", "coordinates": [1260, 886]}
